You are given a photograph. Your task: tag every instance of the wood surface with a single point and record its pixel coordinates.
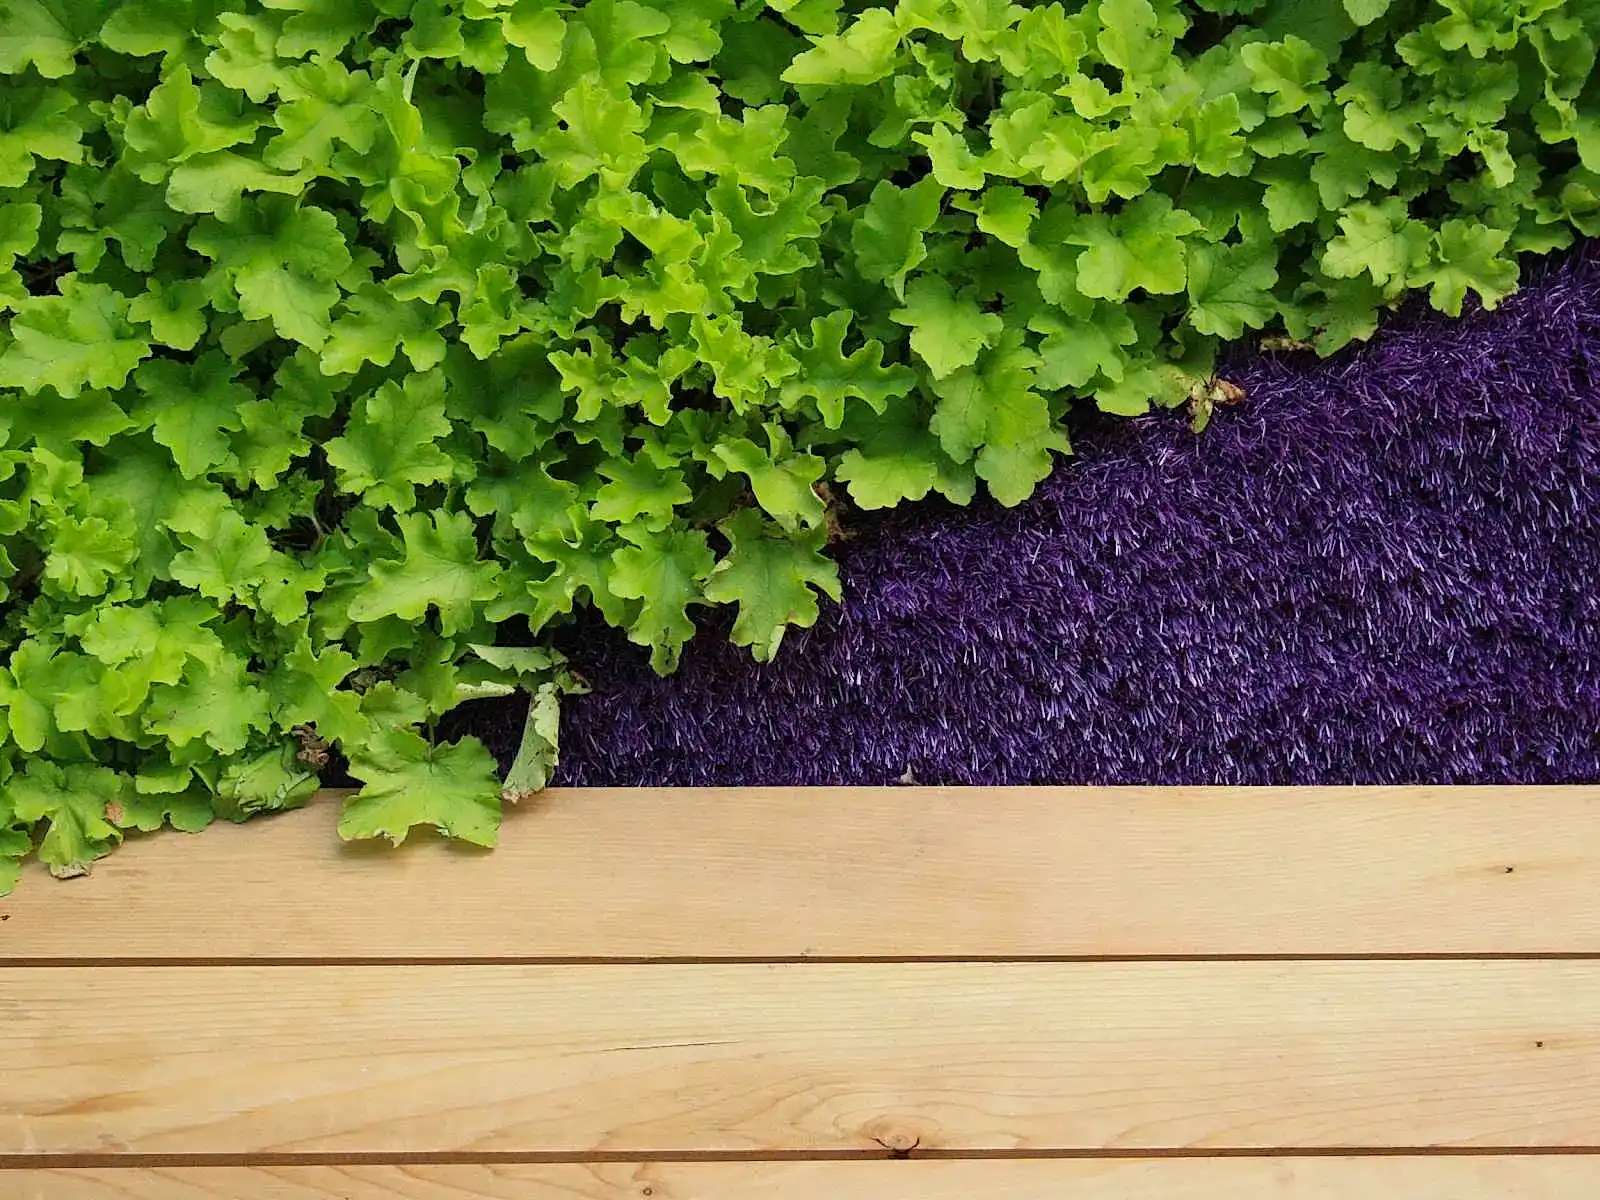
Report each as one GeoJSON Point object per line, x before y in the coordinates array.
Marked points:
{"type": "Point", "coordinates": [862, 872]}
{"type": "Point", "coordinates": [1567, 1177]}
{"type": "Point", "coordinates": [809, 1057]}
{"type": "Point", "coordinates": [726, 994]}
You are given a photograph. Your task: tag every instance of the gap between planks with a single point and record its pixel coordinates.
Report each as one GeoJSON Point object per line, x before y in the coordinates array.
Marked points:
{"type": "Point", "coordinates": [571, 1061]}
{"type": "Point", "coordinates": [36, 964]}
{"type": "Point", "coordinates": [1255, 1178]}
{"type": "Point", "coordinates": [862, 874]}
{"type": "Point", "coordinates": [17, 1163]}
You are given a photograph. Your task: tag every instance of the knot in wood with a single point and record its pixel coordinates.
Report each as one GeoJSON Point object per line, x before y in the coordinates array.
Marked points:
{"type": "Point", "coordinates": [896, 1137]}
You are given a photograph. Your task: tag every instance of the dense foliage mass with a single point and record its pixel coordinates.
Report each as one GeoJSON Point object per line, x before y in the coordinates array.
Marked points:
{"type": "Point", "coordinates": [349, 344]}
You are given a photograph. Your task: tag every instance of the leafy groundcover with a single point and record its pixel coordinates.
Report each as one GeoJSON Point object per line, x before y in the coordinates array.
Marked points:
{"type": "Point", "coordinates": [1378, 569]}
{"type": "Point", "coordinates": [350, 347]}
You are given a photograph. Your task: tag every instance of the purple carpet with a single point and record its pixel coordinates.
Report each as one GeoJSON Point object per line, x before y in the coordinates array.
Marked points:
{"type": "Point", "coordinates": [1382, 568]}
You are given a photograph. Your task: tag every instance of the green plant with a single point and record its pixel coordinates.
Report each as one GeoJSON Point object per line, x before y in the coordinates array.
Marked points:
{"type": "Point", "coordinates": [349, 340]}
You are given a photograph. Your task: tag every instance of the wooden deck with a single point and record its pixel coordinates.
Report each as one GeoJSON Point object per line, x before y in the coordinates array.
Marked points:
{"type": "Point", "coordinates": [886, 994]}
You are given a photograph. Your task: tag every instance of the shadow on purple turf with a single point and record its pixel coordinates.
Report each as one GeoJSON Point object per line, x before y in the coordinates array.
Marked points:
{"type": "Point", "coordinates": [1380, 568]}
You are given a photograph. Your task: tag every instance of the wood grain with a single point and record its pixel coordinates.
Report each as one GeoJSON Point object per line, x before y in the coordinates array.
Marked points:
{"type": "Point", "coordinates": [884, 872]}
{"type": "Point", "coordinates": [1531, 1178]}
{"type": "Point", "coordinates": [567, 1060]}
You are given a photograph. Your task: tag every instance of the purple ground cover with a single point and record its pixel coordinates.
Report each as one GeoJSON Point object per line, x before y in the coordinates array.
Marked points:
{"type": "Point", "coordinates": [1382, 568]}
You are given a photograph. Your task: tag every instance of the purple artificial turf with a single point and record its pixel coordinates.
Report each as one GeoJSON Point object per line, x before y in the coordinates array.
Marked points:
{"type": "Point", "coordinates": [1382, 568]}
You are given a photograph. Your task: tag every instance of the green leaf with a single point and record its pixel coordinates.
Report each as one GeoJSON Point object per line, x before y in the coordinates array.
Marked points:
{"type": "Point", "coordinates": [406, 782]}
{"type": "Point", "coordinates": [1289, 73]}
{"type": "Point", "coordinates": [746, 367]}
{"type": "Point", "coordinates": [784, 483]}
{"type": "Point", "coordinates": [391, 444]}
{"type": "Point", "coordinates": [19, 234]}
{"type": "Point", "coordinates": [774, 579]}
{"type": "Point", "coordinates": [273, 436]}
{"type": "Point", "coordinates": [746, 150]}
{"type": "Point", "coordinates": [226, 559]}
{"type": "Point", "coordinates": [33, 683]}
{"type": "Point", "coordinates": [142, 27]}
{"type": "Point", "coordinates": [85, 555]}
{"type": "Point", "coordinates": [1230, 287]}
{"type": "Point", "coordinates": [73, 799]}
{"type": "Point", "coordinates": [1045, 43]}
{"type": "Point", "coordinates": [322, 106]}
{"type": "Point", "coordinates": [1468, 256]}
{"type": "Point", "coordinates": [664, 571]}
{"type": "Point", "coordinates": [282, 261]}
{"type": "Point", "coordinates": [888, 235]}
{"type": "Point", "coordinates": [1365, 12]}
{"type": "Point", "coordinates": [1076, 351]}
{"type": "Point", "coordinates": [1217, 144]}
{"type": "Point", "coordinates": [187, 811]}
{"type": "Point", "coordinates": [15, 844]}
{"type": "Point", "coordinates": [175, 313]}
{"type": "Point", "coordinates": [1481, 26]}
{"type": "Point", "coordinates": [441, 570]}
{"type": "Point", "coordinates": [599, 137]}
{"type": "Point", "coordinates": [864, 53]}
{"type": "Point", "coordinates": [574, 565]}
{"type": "Point", "coordinates": [1145, 383]}
{"type": "Point", "coordinates": [37, 123]}
{"type": "Point", "coordinates": [272, 781]}
{"type": "Point", "coordinates": [216, 183]}
{"type": "Point", "coordinates": [828, 377]}
{"type": "Point", "coordinates": [1335, 314]}
{"type": "Point", "coordinates": [1379, 239]}
{"type": "Point", "coordinates": [948, 330]}
{"type": "Point", "coordinates": [92, 417]}
{"type": "Point", "coordinates": [1133, 38]}
{"type": "Point", "coordinates": [545, 678]}
{"type": "Point", "coordinates": [245, 58]}
{"type": "Point", "coordinates": [1034, 140]}
{"type": "Point", "coordinates": [1375, 112]}
{"type": "Point", "coordinates": [322, 26]}
{"type": "Point", "coordinates": [899, 459]}
{"type": "Point", "coordinates": [538, 753]}
{"type": "Point", "coordinates": [778, 237]}
{"type": "Point", "coordinates": [156, 640]}
{"type": "Point", "coordinates": [1006, 213]}
{"type": "Point", "coordinates": [190, 409]}
{"type": "Point", "coordinates": [994, 405]}
{"type": "Point", "coordinates": [639, 490]}
{"type": "Point", "coordinates": [306, 688]}
{"type": "Point", "coordinates": [80, 338]}
{"type": "Point", "coordinates": [1141, 247]}
{"type": "Point", "coordinates": [217, 706]}
{"type": "Point", "coordinates": [954, 163]}
{"type": "Point", "coordinates": [537, 30]}
{"type": "Point", "coordinates": [182, 120]}
{"type": "Point", "coordinates": [524, 662]}
{"type": "Point", "coordinates": [374, 325]}
{"type": "Point", "coordinates": [45, 34]}
{"type": "Point", "coordinates": [142, 480]}
{"type": "Point", "coordinates": [1290, 203]}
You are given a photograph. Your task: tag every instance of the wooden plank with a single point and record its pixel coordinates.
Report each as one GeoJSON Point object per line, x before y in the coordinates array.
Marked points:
{"type": "Point", "coordinates": [570, 1060]}
{"type": "Point", "coordinates": [753, 873]}
{"type": "Point", "coordinates": [1529, 1178]}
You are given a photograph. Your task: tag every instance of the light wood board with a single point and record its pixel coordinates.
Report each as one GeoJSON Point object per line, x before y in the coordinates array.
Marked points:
{"type": "Point", "coordinates": [1529, 1178]}
{"type": "Point", "coordinates": [752, 1058]}
{"type": "Point", "coordinates": [863, 872]}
